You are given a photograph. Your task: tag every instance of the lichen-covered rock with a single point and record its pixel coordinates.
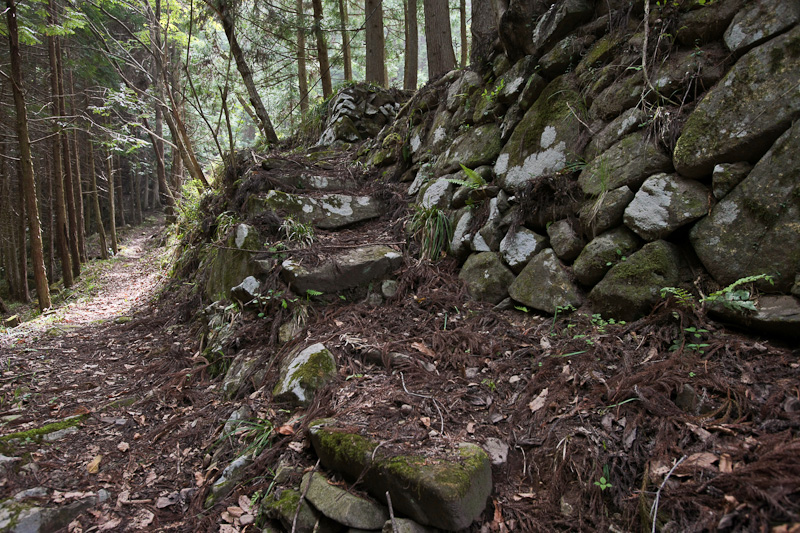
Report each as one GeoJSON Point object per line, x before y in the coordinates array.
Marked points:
{"type": "Point", "coordinates": [303, 372]}
{"type": "Point", "coordinates": [628, 162]}
{"type": "Point", "coordinates": [664, 203]}
{"type": "Point", "coordinates": [518, 247]}
{"type": "Point", "coordinates": [759, 21]}
{"type": "Point", "coordinates": [738, 119]}
{"type": "Point", "coordinates": [625, 124]}
{"type": "Point", "coordinates": [246, 290]}
{"type": "Point", "coordinates": [632, 287]}
{"type": "Point", "coordinates": [440, 135]}
{"type": "Point", "coordinates": [354, 268]}
{"type": "Point", "coordinates": [606, 211]}
{"type": "Point", "coordinates": [22, 517]}
{"type": "Point", "coordinates": [531, 91]}
{"type": "Point", "coordinates": [487, 278]}
{"type": "Point", "coordinates": [478, 146]}
{"type": "Point", "coordinates": [230, 264]}
{"type": "Point", "coordinates": [327, 211]}
{"type": "Point", "coordinates": [561, 19]}
{"type": "Point", "coordinates": [225, 483]}
{"type": "Point", "coordinates": [514, 81]}
{"type": "Point", "coordinates": [603, 252]}
{"type": "Point", "coordinates": [727, 176]}
{"type": "Point", "coordinates": [700, 68]}
{"type": "Point", "coordinates": [447, 492]}
{"type": "Point", "coordinates": [545, 284]}
{"type": "Point", "coordinates": [461, 89]}
{"type": "Point", "coordinates": [284, 506]}
{"type": "Point", "coordinates": [755, 229]}
{"type": "Point", "coordinates": [436, 193]}
{"type": "Point", "coordinates": [546, 139]}
{"type": "Point", "coordinates": [622, 94]}
{"type": "Point", "coordinates": [342, 506]}
{"type": "Point", "coordinates": [565, 241]}
{"type": "Point", "coordinates": [567, 52]}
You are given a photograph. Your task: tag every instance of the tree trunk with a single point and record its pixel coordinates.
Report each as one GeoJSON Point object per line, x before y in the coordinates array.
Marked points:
{"type": "Point", "coordinates": [120, 200]}
{"type": "Point", "coordinates": [376, 52]}
{"type": "Point", "coordinates": [69, 179]}
{"type": "Point", "coordinates": [322, 50]}
{"type": "Point", "coordinates": [438, 39]}
{"type": "Point", "coordinates": [302, 75]}
{"type": "Point", "coordinates": [112, 222]}
{"type": "Point", "coordinates": [346, 56]}
{"type": "Point", "coordinates": [62, 233]}
{"type": "Point", "coordinates": [484, 31]}
{"type": "Point", "coordinates": [223, 9]}
{"type": "Point", "coordinates": [78, 188]}
{"type": "Point", "coordinates": [412, 46]}
{"type": "Point", "coordinates": [462, 12]}
{"type": "Point", "coordinates": [26, 161]}
{"type": "Point", "coordinates": [96, 201]}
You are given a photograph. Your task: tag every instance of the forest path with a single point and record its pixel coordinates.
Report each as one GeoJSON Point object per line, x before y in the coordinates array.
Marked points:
{"type": "Point", "coordinates": [88, 403]}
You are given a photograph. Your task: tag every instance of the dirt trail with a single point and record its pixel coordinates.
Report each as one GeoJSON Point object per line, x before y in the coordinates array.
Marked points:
{"type": "Point", "coordinates": [107, 384]}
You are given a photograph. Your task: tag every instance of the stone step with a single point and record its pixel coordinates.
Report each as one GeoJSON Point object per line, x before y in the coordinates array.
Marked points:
{"type": "Point", "coordinates": [305, 178]}
{"type": "Point", "coordinates": [326, 211]}
{"type": "Point", "coordinates": [353, 268]}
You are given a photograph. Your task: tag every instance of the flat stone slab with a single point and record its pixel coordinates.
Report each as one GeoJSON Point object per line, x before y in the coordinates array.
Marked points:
{"type": "Point", "coordinates": [328, 211]}
{"type": "Point", "coordinates": [354, 268]}
{"type": "Point", "coordinates": [448, 492]}
{"type": "Point", "coordinates": [303, 373]}
{"type": "Point", "coordinates": [776, 315]}
{"type": "Point", "coordinates": [342, 506]}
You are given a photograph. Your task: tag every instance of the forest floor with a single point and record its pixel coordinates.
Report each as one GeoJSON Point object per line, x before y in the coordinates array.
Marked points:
{"type": "Point", "coordinates": [594, 425]}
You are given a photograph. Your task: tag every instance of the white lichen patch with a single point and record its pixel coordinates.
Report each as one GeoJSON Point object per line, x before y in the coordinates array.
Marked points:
{"type": "Point", "coordinates": [435, 193]}
{"type": "Point", "coordinates": [548, 137]}
{"type": "Point", "coordinates": [439, 135]}
{"type": "Point", "coordinates": [337, 204]}
{"type": "Point", "coordinates": [536, 164]}
{"type": "Point", "coordinates": [242, 231]}
{"type": "Point", "coordinates": [416, 142]}
{"type": "Point", "coordinates": [726, 213]}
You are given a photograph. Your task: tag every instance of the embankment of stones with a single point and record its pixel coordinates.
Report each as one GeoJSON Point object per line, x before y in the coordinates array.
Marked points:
{"type": "Point", "coordinates": [605, 179]}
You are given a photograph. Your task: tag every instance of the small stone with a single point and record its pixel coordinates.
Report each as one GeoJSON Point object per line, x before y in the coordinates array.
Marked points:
{"type": "Point", "coordinates": [497, 450]}
{"type": "Point", "coordinates": [406, 410]}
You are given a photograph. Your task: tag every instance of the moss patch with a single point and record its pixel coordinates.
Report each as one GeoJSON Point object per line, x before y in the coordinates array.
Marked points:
{"type": "Point", "coordinates": [36, 434]}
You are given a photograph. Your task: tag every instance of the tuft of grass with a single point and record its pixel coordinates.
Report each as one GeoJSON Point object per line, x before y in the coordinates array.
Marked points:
{"type": "Point", "coordinates": [431, 227]}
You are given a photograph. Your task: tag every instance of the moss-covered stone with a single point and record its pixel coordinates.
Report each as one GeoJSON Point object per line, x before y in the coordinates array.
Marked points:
{"type": "Point", "coordinates": [447, 492]}
{"type": "Point", "coordinates": [738, 119]}
{"type": "Point", "coordinates": [39, 434]}
{"type": "Point", "coordinates": [603, 252]}
{"type": "Point", "coordinates": [303, 373]}
{"type": "Point", "coordinates": [544, 284]}
{"type": "Point", "coordinates": [547, 137]}
{"type": "Point", "coordinates": [632, 287]}
{"type": "Point", "coordinates": [486, 277]}
{"type": "Point", "coordinates": [478, 146]}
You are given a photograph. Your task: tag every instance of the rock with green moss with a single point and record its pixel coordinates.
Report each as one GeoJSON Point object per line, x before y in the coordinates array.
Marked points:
{"type": "Point", "coordinates": [353, 268]}
{"type": "Point", "coordinates": [461, 243]}
{"type": "Point", "coordinates": [759, 22]}
{"type": "Point", "coordinates": [632, 287]}
{"type": "Point", "coordinates": [226, 482]}
{"type": "Point", "coordinates": [545, 284]}
{"type": "Point", "coordinates": [629, 162]}
{"type": "Point", "coordinates": [513, 82]}
{"type": "Point", "coordinates": [447, 492]}
{"type": "Point", "coordinates": [546, 139]}
{"type": "Point", "coordinates": [600, 53]}
{"type": "Point", "coordinates": [302, 373]}
{"type": "Point", "coordinates": [565, 240]}
{"type": "Point", "coordinates": [341, 506]}
{"type": "Point", "coordinates": [622, 126]}
{"type": "Point", "coordinates": [478, 146]}
{"type": "Point", "coordinates": [755, 229]}
{"type": "Point", "coordinates": [231, 263]}
{"type": "Point", "coordinates": [287, 503]}
{"type": "Point", "coordinates": [565, 54]}
{"type": "Point", "coordinates": [436, 193]}
{"type": "Point", "coordinates": [664, 203]}
{"type": "Point", "coordinates": [606, 211]}
{"type": "Point", "coordinates": [619, 95]}
{"type": "Point", "coordinates": [603, 252]}
{"type": "Point", "coordinates": [461, 89]}
{"type": "Point", "coordinates": [439, 136]}
{"type": "Point", "coordinates": [242, 376]}
{"type": "Point", "coordinates": [700, 26]}
{"type": "Point", "coordinates": [486, 277]}
{"type": "Point", "coordinates": [738, 119]}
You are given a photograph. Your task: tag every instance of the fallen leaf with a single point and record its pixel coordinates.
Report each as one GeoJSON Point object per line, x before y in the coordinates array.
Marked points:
{"type": "Point", "coordinates": [471, 427]}
{"type": "Point", "coordinates": [227, 528]}
{"type": "Point", "coordinates": [123, 447]}
{"type": "Point", "coordinates": [94, 466]}
{"type": "Point", "coordinates": [143, 519]}
{"type": "Point", "coordinates": [426, 421]}
{"type": "Point", "coordinates": [422, 348]}
{"type": "Point", "coordinates": [700, 460]}
{"type": "Point", "coordinates": [226, 516]}
{"type": "Point", "coordinates": [108, 526]}
{"type": "Point", "coordinates": [286, 429]}
{"type": "Point", "coordinates": [538, 402]}
{"type": "Point", "coordinates": [725, 463]}
{"type": "Point", "coordinates": [245, 503]}
{"type": "Point", "coordinates": [296, 446]}
{"type": "Point", "coordinates": [247, 519]}
{"type": "Point", "coordinates": [151, 478]}
{"type": "Point", "coordinates": [199, 479]}
{"type": "Point", "coordinates": [524, 495]}
{"type": "Point", "coordinates": [166, 501]}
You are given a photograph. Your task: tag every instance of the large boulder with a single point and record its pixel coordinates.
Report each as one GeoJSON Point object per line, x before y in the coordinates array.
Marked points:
{"type": "Point", "coordinates": [602, 253]}
{"type": "Point", "coordinates": [546, 139]}
{"type": "Point", "coordinates": [354, 268]}
{"type": "Point", "coordinates": [519, 246]}
{"type": "Point", "coordinates": [738, 119]}
{"type": "Point", "coordinates": [606, 211]}
{"type": "Point", "coordinates": [632, 287]}
{"type": "Point", "coordinates": [303, 372]}
{"type": "Point", "coordinates": [477, 146]}
{"type": "Point", "coordinates": [755, 229]}
{"type": "Point", "coordinates": [448, 491]}
{"type": "Point", "coordinates": [486, 277]}
{"type": "Point", "coordinates": [545, 284]}
{"type": "Point", "coordinates": [664, 203]}
{"type": "Point", "coordinates": [628, 162]}
{"type": "Point", "coordinates": [700, 26]}
{"type": "Point", "coordinates": [559, 21]}
{"type": "Point", "coordinates": [230, 264]}
{"type": "Point", "coordinates": [760, 21]}
{"type": "Point", "coordinates": [775, 315]}
{"type": "Point", "coordinates": [327, 211]}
